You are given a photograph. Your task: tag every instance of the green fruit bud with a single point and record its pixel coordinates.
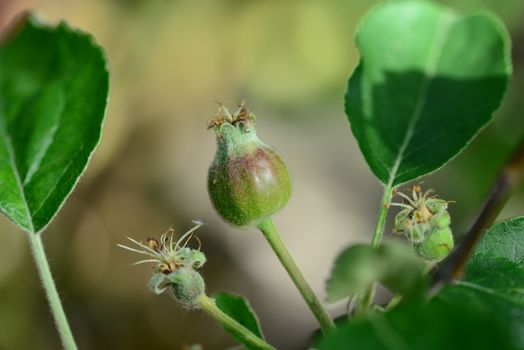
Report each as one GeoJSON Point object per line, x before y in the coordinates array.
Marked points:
{"type": "Point", "coordinates": [196, 259]}
{"type": "Point", "coordinates": [174, 265]}
{"type": "Point", "coordinates": [418, 232]}
{"type": "Point", "coordinates": [436, 205]}
{"type": "Point", "coordinates": [186, 286]}
{"type": "Point", "coordinates": [403, 221]}
{"type": "Point", "coordinates": [437, 245]}
{"type": "Point", "coordinates": [182, 256]}
{"type": "Point", "coordinates": [441, 220]}
{"type": "Point", "coordinates": [407, 225]}
{"type": "Point", "coordinates": [425, 221]}
{"type": "Point", "coordinates": [248, 181]}
{"type": "Point", "coordinates": [157, 283]}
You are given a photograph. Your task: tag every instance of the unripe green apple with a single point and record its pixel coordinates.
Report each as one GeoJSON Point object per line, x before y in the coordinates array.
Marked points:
{"type": "Point", "coordinates": [425, 222]}
{"type": "Point", "coordinates": [248, 181]}
{"type": "Point", "coordinates": [186, 286]}
{"type": "Point", "coordinates": [437, 245]}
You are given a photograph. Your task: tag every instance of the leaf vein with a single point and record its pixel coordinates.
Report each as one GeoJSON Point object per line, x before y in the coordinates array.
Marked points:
{"type": "Point", "coordinates": [66, 168]}
{"type": "Point", "coordinates": [16, 171]}
{"type": "Point", "coordinates": [440, 39]}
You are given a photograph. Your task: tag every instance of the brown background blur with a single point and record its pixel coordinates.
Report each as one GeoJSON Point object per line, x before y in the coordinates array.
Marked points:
{"type": "Point", "coordinates": [169, 60]}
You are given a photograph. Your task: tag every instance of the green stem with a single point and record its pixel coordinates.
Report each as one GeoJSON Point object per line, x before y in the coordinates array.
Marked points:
{"type": "Point", "coordinates": [377, 238]}
{"type": "Point", "coordinates": [53, 298]}
{"type": "Point", "coordinates": [382, 215]}
{"type": "Point", "coordinates": [273, 237]}
{"type": "Point", "coordinates": [395, 300]}
{"type": "Point", "coordinates": [208, 305]}
{"type": "Point", "coordinates": [368, 298]}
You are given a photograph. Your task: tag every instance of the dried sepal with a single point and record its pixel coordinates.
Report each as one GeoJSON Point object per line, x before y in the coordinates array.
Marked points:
{"type": "Point", "coordinates": [167, 254]}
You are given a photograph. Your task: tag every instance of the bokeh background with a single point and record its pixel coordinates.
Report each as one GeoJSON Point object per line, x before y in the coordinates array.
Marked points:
{"type": "Point", "coordinates": [169, 61]}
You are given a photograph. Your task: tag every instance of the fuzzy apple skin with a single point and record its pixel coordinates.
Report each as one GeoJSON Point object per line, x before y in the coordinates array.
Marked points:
{"type": "Point", "coordinates": [186, 286]}
{"type": "Point", "coordinates": [248, 181]}
{"type": "Point", "coordinates": [437, 245]}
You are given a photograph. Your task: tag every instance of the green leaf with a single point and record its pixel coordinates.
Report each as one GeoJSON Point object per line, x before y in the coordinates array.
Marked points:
{"type": "Point", "coordinates": [358, 267]}
{"type": "Point", "coordinates": [427, 82]}
{"type": "Point", "coordinates": [497, 276]}
{"type": "Point", "coordinates": [494, 286]}
{"type": "Point", "coordinates": [494, 278]}
{"type": "Point", "coordinates": [483, 311]}
{"type": "Point", "coordinates": [421, 326]}
{"type": "Point", "coordinates": [53, 94]}
{"type": "Point", "coordinates": [502, 310]}
{"type": "Point", "coordinates": [238, 308]}
{"type": "Point", "coordinates": [505, 239]}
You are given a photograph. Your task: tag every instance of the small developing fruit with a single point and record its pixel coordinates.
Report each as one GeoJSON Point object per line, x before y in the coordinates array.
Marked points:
{"type": "Point", "coordinates": [425, 221]}
{"type": "Point", "coordinates": [175, 266]}
{"type": "Point", "coordinates": [248, 181]}
{"type": "Point", "coordinates": [186, 286]}
{"type": "Point", "coordinates": [436, 246]}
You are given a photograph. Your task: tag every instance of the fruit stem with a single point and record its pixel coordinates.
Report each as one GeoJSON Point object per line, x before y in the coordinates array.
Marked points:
{"type": "Point", "coordinates": [273, 237]}
{"type": "Point", "coordinates": [209, 306]}
{"type": "Point", "coordinates": [37, 247]}
{"type": "Point", "coordinates": [382, 215]}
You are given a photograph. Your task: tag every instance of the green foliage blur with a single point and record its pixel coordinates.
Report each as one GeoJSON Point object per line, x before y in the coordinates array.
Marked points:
{"type": "Point", "coordinates": [169, 61]}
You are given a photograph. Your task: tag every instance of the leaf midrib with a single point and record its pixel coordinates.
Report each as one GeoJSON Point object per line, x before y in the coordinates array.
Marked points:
{"type": "Point", "coordinates": [16, 172]}
{"type": "Point", "coordinates": [488, 291]}
{"type": "Point", "coordinates": [434, 56]}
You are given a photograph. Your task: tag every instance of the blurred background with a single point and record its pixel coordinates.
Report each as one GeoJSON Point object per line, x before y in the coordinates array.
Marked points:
{"type": "Point", "coordinates": [169, 61]}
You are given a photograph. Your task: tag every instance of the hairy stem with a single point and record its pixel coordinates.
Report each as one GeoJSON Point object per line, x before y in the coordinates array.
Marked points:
{"type": "Point", "coordinates": [208, 305]}
{"type": "Point", "coordinates": [53, 298]}
{"type": "Point", "coordinates": [273, 237]}
{"type": "Point", "coordinates": [382, 215]}
{"type": "Point", "coordinates": [507, 180]}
